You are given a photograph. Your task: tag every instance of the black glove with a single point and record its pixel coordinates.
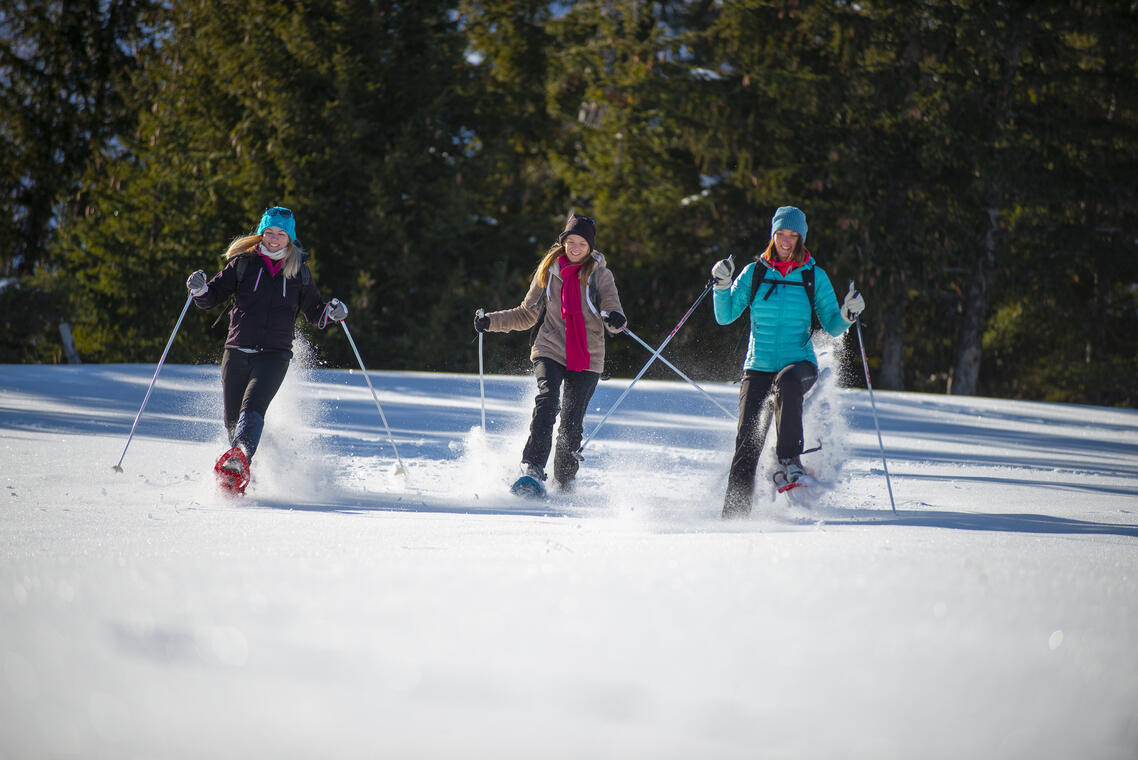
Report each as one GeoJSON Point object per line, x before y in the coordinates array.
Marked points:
{"type": "Point", "coordinates": [481, 322]}
{"type": "Point", "coordinates": [615, 320]}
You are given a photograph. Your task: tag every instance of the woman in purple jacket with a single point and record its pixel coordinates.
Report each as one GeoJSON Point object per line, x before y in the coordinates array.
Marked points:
{"type": "Point", "coordinates": [266, 274]}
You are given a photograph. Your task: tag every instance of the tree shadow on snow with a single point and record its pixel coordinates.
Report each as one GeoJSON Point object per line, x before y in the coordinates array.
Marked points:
{"type": "Point", "coordinates": [977, 521]}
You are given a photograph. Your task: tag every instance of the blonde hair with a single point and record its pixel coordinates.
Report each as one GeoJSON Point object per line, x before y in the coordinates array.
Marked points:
{"type": "Point", "coordinates": [248, 244]}
{"type": "Point", "coordinates": [798, 256]}
{"type": "Point", "coordinates": [556, 251]}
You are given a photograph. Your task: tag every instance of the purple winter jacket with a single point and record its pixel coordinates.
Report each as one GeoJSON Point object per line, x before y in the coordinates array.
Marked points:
{"type": "Point", "coordinates": [264, 311]}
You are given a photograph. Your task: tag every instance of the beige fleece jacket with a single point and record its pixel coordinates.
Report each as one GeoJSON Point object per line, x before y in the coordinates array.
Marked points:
{"type": "Point", "coordinates": [550, 342]}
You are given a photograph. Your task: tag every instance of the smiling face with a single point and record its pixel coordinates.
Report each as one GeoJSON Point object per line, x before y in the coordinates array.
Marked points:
{"type": "Point", "coordinates": [274, 238]}
{"type": "Point", "coordinates": [785, 241]}
{"type": "Point", "coordinates": [576, 248]}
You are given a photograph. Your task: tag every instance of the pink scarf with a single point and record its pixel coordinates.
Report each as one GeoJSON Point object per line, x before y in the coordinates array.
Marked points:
{"type": "Point", "coordinates": [272, 266]}
{"type": "Point", "coordinates": [576, 342]}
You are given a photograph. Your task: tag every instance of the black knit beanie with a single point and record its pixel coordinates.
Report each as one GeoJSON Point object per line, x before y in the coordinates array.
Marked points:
{"type": "Point", "coordinates": [580, 225]}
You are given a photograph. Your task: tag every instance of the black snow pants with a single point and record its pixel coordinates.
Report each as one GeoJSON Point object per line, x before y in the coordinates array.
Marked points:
{"type": "Point", "coordinates": [248, 384]}
{"type": "Point", "coordinates": [572, 404]}
{"type": "Point", "coordinates": [789, 387]}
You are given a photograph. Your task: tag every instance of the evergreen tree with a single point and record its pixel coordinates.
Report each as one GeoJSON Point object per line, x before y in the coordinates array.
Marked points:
{"type": "Point", "coordinates": [61, 64]}
{"type": "Point", "coordinates": [347, 112]}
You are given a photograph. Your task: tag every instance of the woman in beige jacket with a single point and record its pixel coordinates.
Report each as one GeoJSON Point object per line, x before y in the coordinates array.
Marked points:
{"type": "Point", "coordinates": [569, 350]}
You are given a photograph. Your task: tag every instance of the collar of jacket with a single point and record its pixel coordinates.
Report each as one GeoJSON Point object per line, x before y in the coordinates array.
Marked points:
{"type": "Point", "coordinates": [599, 257]}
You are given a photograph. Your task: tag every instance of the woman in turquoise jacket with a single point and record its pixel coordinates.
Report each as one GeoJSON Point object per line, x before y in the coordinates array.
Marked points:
{"type": "Point", "coordinates": [780, 359]}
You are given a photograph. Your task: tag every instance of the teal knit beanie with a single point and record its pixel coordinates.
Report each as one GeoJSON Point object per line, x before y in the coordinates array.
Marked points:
{"type": "Point", "coordinates": [789, 218]}
{"type": "Point", "coordinates": [281, 217]}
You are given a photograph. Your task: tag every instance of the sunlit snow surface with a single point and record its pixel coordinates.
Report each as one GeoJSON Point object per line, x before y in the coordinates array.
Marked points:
{"type": "Point", "coordinates": [343, 610]}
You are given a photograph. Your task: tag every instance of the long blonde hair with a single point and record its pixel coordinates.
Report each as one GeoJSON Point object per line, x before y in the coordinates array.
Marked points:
{"type": "Point", "coordinates": [248, 244]}
{"type": "Point", "coordinates": [556, 251]}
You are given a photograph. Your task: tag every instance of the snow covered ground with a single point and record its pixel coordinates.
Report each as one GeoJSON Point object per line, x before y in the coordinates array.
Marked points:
{"type": "Point", "coordinates": [342, 610]}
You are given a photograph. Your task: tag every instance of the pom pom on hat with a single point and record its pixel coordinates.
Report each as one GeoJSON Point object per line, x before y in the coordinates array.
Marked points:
{"type": "Point", "coordinates": [580, 225]}
{"type": "Point", "coordinates": [789, 218]}
{"type": "Point", "coordinates": [280, 217]}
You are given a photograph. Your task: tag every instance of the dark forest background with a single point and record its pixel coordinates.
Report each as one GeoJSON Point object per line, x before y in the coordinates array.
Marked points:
{"type": "Point", "coordinates": [972, 164]}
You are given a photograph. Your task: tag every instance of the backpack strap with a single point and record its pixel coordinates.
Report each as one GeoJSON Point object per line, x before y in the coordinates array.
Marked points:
{"type": "Point", "coordinates": [594, 298]}
{"type": "Point", "coordinates": [807, 284]}
{"type": "Point", "coordinates": [239, 268]}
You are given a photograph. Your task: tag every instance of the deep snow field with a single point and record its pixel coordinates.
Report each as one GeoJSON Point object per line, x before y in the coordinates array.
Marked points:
{"type": "Point", "coordinates": [341, 609]}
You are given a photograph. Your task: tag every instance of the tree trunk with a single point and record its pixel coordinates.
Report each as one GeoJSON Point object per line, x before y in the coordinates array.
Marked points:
{"type": "Point", "coordinates": [965, 379]}
{"type": "Point", "coordinates": [970, 344]}
{"type": "Point", "coordinates": [893, 349]}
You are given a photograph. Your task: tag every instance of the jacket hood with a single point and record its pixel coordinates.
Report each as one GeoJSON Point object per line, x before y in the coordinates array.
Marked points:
{"type": "Point", "coordinates": [598, 257]}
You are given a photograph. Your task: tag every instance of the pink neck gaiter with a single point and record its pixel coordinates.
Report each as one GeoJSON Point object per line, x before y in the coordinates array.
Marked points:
{"type": "Point", "coordinates": [272, 266]}
{"type": "Point", "coordinates": [576, 341]}
{"type": "Point", "coordinates": [786, 267]}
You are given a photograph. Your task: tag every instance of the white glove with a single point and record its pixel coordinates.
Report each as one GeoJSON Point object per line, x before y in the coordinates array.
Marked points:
{"type": "Point", "coordinates": [197, 283]}
{"type": "Point", "coordinates": [722, 274]}
{"type": "Point", "coordinates": [853, 305]}
{"type": "Point", "coordinates": [336, 310]}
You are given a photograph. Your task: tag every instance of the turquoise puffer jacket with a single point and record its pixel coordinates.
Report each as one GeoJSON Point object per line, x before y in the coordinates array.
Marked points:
{"type": "Point", "coordinates": [780, 323]}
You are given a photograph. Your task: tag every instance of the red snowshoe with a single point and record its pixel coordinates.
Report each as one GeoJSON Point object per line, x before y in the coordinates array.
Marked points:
{"type": "Point", "coordinates": [232, 470]}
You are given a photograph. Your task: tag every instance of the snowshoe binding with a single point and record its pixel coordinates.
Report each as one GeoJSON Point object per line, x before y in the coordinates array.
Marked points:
{"type": "Point", "coordinates": [232, 470]}
{"type": "Point", "coordinates": [790, 475]}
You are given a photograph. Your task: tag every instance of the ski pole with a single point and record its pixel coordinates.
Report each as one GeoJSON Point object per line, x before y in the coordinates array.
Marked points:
{"type": "Point", "coordinates": [153, 380]}
{"type": "Point", "coordinates": [873, 404]}
{"type": "Point", "coordinates": [399, 470]}
{"type": "Point", "coordinates": [481, 383]}
{"type": "Point", "coordinates": [676, 369]}
{"type": "Point", "coordinates": [655, 354]}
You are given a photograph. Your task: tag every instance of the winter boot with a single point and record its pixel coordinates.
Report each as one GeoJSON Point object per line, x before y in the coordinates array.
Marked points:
{"type": "Point", "coordinates": [789, 471]}
{"type": "Point", "coordinates": [234, 465]}
{"type": "Point", "coordinates": [533, 471]}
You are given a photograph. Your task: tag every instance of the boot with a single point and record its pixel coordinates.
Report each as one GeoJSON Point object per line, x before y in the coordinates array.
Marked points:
{"type": "Point", "coordinates": [790, 470]}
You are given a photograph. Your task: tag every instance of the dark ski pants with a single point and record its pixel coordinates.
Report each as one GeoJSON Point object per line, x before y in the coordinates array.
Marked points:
{"type": "Point", "coordinates": [572, 404]}
{"type": "Point", "coordinates": [788, 388]}
{"type": "Point", "coordinates": [248, 384]}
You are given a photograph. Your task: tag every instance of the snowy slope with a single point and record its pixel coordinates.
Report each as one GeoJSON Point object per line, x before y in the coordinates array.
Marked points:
{"type": "Point", "coordinates": [342, 610]}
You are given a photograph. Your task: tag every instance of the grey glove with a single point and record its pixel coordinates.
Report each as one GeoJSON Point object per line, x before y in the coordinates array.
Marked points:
{"type": "Point", "coordinates": [336, 310]}
{"type": "Point", "coordinates": [722, 274]}
{"type": "Point", "coordinates": [197, 283]}
{"type": "Point", "coordinates": [853, 305]}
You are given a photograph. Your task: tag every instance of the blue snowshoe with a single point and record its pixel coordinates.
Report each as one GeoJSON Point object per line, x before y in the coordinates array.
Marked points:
{"type": "Point", "coordinates": [531, 485]}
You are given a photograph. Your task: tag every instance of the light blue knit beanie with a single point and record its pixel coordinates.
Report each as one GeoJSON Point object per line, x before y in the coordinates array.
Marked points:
{"type": "Point", "coordinates": [789, 218]}
{"type": "Point", "coordinates": [278, 216]}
